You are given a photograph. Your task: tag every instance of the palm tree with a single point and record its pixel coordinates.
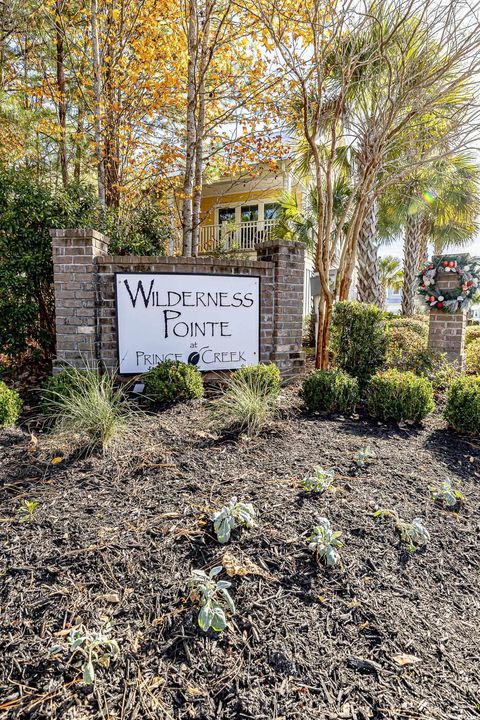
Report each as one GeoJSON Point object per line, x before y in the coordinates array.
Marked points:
{"type": "Point", "coordinates": [390, 275]}
{"type": "Point", "coordinates": [438, 205]}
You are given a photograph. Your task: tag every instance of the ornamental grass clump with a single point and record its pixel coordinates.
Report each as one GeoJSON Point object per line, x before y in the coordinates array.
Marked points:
{"type": "Point", "coordinates": [10, 406]}
{"type": "Point", "coordinates": [213, 597]}
{"type": "Point", "coordinates": [325, 542]}
{"type": "Point", "coordinates": [235, 514]}
{"type": "Point", "coordinates": [246, 405]}
{"type": "Point", "coordinates": [94, 413]}
{"type": "Point", "coordinates": [61, 385]}
{"type": "Point", "coordinates": [462, 410]}
{"type": "Point", "coordinates": [267, 375]}
{"type": "Point", "coordinates": [172, 381]}
{"type": "Point", "coordinates": [330, 391]}
{"type": "Point", "coordinates": [398, 396]}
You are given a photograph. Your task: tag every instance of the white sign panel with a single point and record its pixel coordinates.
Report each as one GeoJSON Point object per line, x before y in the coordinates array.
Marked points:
{"type": "Point", "coordinates": [211, 321]}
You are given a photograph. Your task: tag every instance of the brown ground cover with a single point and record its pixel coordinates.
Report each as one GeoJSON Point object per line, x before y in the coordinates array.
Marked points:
{"type": "Point", "coordinates": [112, 543]}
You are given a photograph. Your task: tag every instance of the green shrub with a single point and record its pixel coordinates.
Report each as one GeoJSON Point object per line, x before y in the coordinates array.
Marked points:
{"type": "Point", "coordinates": [10, 406]}
{"type": "Point", "coordinates": [395, 395]}
{"type": "Point", "coordinates": [172, 381]}
{"type": "Point", "coordinates": [358, 340]}
{"type": "Point", "coordinates": [463, 404]}
{"type": "Point", "coordinates": [472, 333]}
{"type": "Point", "coordinates": [246, 405]}
{"type": "Point", "coordinates": [416, 325]}
{"type": "Point", "coordinates": [330, 390]}
{"type": "Point", "coordinates": [59, 386]}
{"type": "Point", "coordinates": [267, 376]}
{"type": "Point", "coordinates": [472, 357]}
{"type": "Point", "coordinates": [405, 349]}
{"type": "Point", "coordinates": [93, 411]}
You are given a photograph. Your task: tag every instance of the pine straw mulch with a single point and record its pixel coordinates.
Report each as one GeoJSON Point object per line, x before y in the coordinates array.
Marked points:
{"type": "Point", "coordinates": [113, 541]}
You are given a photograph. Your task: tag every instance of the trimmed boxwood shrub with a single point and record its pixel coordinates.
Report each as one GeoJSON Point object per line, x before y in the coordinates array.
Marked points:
{"type": "Point", "coordinates": [418, 326]}
{"type": "Point", "coordinates": [358, 339]}
{"type": "Point", "coordinates": [463, 404]}
{"type": "Point", "coordinates": [472, 333]}
{"type": "Point", "coordinates": [472, 357]}
{"type": "Point", "coordinates": [10, 405]}
{"type": "Point", "coordinates": [395, 395]}
{"type": "Point", "coordinates": [330, 390]}
{"type": "Point", "coordinates": [172, 381]}
{"type": "Point", "coordinates": [60, 386]}
{"type": "Point", "coordinates": [264, 376]}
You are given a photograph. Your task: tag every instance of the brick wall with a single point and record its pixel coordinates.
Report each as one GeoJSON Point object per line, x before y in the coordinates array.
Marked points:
{"type": "Point", "coordinates": [447, 330]}
{"type": "Point", "coordinates": [85, 296]}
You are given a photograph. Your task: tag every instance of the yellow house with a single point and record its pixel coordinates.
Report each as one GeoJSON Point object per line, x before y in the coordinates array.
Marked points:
{"type": "Point", "coordinates": [239, 212]}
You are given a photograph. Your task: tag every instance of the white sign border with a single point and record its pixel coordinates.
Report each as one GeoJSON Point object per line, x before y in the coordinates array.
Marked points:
{"type": "Point", "coordinates": [187, 274]}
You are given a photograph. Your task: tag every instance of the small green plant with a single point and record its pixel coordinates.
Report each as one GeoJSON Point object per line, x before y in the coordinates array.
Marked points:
{"type": "Point", "coordinates": [94, 648]}
{"type": "Point", "coordinates": [94, 410]}
{"type": "Point", "coordinates": [320, 481]}
{"type": "Point", "coordinates": [26, 511]}
{"type": "Point", "coordinates": [330, 391]}
{"type": "Point", "coordinates": [446, 493]}
{"type": "Point", "coordinates": [267, 376]}
{"type": "Point", "coordinates": [233, 515]}
{"type": "Point", "coordinates": [213, 597]}
{"type": "Point", "coordinates": [414, 534]}
{"type": "Point", "coordinates": [246, 405]}
{"type": "Point", "coordinates": [10, 405]}
{"type": "Point", "coordinates": [398, 396]}
{"type": "Point", "coordinates": [172, 381]}
{"type": "Point", "coordinates": [462, 410]}
{"type": "Point", "coordinates": [364, 457]}
{"type": "Point", "coordinates": [325, 542]}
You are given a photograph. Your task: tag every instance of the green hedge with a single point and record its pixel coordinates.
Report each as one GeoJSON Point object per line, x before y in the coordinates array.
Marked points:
{"type": "Point", "coordinates": [358, 340]}
{"type": "Point", "coordinates": [262, 376]}
{"type": "Point", "coordinates": [330, 390]}
{"type": "Point", "coordinates": [463, 404]}
{"type": "Point", "coordinates": [472, 357]}
{"type": "Point", "coordinates": [10, 405]}
{"type": "Point", "coordinates": [395, 395]}
{"type": "Point", "coordinates": [472, 333]}
{"type": "Point", "coordinates": [419, 326]}
{"type": "Point", "coordinates": [172, 381]}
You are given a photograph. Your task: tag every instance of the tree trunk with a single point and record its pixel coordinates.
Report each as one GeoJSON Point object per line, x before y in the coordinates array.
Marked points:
{"type": "Point", "coordinates": [62, 107]}
{"type": "Point", "coordinates": [200, 131]}
{"type": "Point", "coordinates": [97, 103]}
{"type": "Point", "coordinates": [77, 167]}
{"type": "Point", "coordinates": [191, 139]}
{"type": "Point", "coordinates": [411, 244]}
{"type": "Point", "coordinates": [422, 245]}
{"type": "Point", "coordinates": [368, 285]}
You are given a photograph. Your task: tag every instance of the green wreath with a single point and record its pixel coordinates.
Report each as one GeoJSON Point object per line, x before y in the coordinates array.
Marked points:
{"type": "Point", "coordinates": [468, 272]}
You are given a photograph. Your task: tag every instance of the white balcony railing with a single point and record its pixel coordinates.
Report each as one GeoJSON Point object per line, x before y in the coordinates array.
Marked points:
{"type": "Point", "coordinates": [230, 237]}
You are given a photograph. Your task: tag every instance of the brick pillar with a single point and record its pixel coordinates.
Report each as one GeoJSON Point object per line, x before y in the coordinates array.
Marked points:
{"type": "Point", "coordinates": [289, 261]}
{"type": "Point", "coordinates": [74, 277]}
{"type": "Point", "coordinates": [447, 330]}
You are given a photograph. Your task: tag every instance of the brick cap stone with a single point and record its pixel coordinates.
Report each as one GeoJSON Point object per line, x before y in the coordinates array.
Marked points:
{"type": "Point", "coordinates": [79, 233]}
{"type": "Point", "coordinates": [280, 243]}
{"type": "Point", "coordinates": [199, 262]}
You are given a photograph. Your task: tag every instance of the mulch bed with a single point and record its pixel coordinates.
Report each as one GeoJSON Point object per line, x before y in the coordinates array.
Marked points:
{"type": "Point", "coordinates": [113, 541]}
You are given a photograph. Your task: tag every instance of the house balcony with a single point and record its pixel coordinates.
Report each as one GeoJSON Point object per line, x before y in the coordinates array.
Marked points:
{"type": "Point", "coordinates": [232, 237]}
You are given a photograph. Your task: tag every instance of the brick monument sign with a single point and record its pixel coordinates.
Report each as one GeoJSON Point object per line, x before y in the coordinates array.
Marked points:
{"type": "Point", "coordinates": [126, 313]}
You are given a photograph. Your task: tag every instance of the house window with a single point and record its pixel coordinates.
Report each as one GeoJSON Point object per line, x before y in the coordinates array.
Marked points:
{"type": "Point", "coordinates": [271, 211]}
{"type": "Point", "coordinates": [226, 215]}
{"type": "Point", "coordinates": [249, 213]}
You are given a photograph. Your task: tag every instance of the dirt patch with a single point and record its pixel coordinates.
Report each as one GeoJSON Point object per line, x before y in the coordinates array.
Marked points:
{"type": "Point", "coordinates": [112, 544]}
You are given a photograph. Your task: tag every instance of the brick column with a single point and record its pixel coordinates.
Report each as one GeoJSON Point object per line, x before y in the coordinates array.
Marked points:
{"type": "Point", "coordinates": [75, 286]}
{"type": "Point", "coordinates": [447, 330]}
{"type": "Point", "coordinates": [289, 262]}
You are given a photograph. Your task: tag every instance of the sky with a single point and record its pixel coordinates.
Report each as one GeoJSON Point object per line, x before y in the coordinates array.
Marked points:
{"type": "Point", "coordinates": [396, 249]}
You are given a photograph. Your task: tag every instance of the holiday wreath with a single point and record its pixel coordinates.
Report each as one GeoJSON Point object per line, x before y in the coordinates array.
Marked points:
{"type": "Point", "coordinates": [468, 272]}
